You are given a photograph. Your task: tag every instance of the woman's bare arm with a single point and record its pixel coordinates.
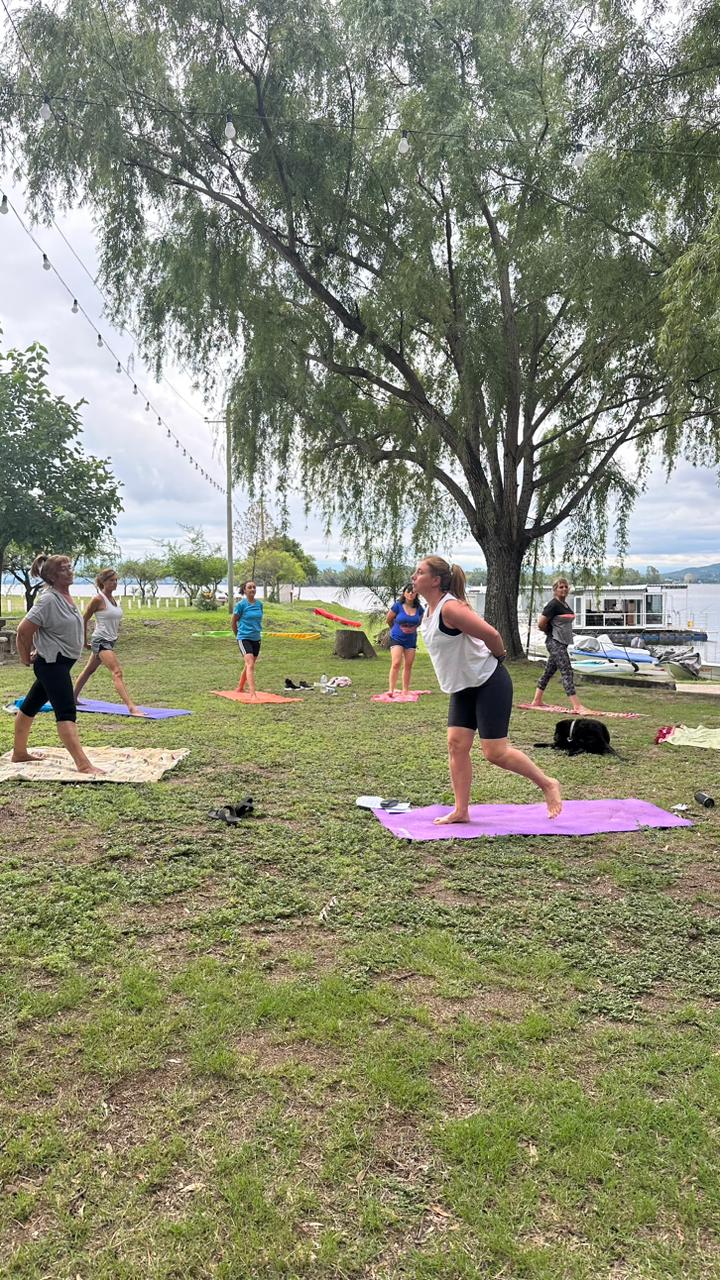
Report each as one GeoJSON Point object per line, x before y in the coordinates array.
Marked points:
{"type": "Point", "coordinates": [24, 637]}
{"type": "Point", "coordinates": [459, 615]}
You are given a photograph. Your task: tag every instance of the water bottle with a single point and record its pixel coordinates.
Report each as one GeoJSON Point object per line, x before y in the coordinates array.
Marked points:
{"type": "Point", "coordinates": [323, 680]}
{"type": "Point", "coordinates": [705, 800]}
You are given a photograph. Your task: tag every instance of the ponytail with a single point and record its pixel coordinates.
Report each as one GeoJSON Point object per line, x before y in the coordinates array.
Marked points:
{"type": "Point", "coordinates": [452, 577]}
{"type": "Point", "coordinates": [47, 567]}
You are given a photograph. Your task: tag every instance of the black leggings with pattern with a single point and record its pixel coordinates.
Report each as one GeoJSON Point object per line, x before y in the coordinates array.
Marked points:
{"type": "Point", "coordinates": [558, 661]}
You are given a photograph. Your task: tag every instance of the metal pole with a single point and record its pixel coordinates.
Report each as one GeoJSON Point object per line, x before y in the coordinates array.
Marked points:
{"type": "Point", "coordinates": [229, 510]}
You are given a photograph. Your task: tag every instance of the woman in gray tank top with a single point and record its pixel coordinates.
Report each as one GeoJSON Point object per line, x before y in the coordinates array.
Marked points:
{"type": "Point", "coordinates": [108, 616]}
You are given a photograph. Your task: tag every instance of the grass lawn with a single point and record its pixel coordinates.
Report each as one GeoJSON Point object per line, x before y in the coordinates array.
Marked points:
{"type": "Point", "coordinates": [301, 1048]}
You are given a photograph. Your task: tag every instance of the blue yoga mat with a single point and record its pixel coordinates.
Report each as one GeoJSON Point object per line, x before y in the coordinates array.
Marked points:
{"type": "Point", "coordinates": [118, 709]}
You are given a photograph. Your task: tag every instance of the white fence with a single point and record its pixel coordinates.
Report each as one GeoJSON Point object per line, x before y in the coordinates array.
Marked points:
{"type": "Point", "coordinates": [16, 603]}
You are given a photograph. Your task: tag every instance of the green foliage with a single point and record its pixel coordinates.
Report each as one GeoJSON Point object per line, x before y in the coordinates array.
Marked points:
{"type": "Point", "coordinates": [53, 496]}
{"type": "Point", "coordinates": [272, 566]}
{"type": "Point", "coordinates": [147, 572]}
{"type": "Point", "coordinates": [468, 332]}
{"type": "Point", "coordinates": [281, 542]}
{"type": "Point", "coordinates": [195, 565]}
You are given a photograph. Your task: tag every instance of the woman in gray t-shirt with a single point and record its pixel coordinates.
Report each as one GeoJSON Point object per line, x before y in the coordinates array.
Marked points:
{"type": "Point", "coordinates": [50, 638]}
{"type": "Point", "coordinates": [556, 621]}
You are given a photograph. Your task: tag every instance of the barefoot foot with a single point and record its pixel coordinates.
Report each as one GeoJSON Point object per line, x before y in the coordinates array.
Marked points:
{"type": "Point", "coordinates": [553, 797]}
{"type": "Point", "coordinates": [137, 714]}
{"type": "Point", "coordinates": [91, 768]}
{"type": "Point", "coordinates": [455, 816]}
{"type": "Point", "coordinates": [26, 757]}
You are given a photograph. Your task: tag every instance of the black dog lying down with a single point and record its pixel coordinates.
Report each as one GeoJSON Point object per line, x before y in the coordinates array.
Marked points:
{"type": "Point", "coordinates": [581, 735]}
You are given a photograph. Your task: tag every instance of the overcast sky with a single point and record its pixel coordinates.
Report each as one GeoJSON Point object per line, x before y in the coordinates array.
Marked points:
{"type": "Point", "coordinates": [674, 525]}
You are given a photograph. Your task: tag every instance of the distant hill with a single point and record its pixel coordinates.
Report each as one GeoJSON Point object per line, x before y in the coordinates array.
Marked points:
{"type": "Point", "coordinates": [704, 573]}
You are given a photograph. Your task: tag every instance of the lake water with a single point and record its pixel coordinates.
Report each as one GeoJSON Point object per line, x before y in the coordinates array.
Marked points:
{"type": "Point", "coordinates": [697, 605]}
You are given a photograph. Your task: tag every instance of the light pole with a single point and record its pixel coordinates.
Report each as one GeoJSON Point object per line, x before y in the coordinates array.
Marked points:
{"type": "Point", "coordinates": [228, 504]}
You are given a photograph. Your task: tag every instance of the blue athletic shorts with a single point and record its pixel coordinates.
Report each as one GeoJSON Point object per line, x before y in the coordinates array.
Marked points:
{"type": "Point", "coordinates": [405, 642]}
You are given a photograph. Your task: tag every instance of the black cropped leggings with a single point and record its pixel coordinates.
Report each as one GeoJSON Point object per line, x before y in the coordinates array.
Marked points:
{"type": "Point", "coordinates": [54, 685]}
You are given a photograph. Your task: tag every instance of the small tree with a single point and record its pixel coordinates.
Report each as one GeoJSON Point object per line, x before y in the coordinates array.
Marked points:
{"type": "Point", "coordinates": [53, 496]}
{"type": "Point", "coordinates": [147, 573]}
{"type": "Point", "coordinates": [273, 567]}
{"type": "Point", "coordinates": [196, 566]}
{"type": "Point", "coordinates": [254, 528]}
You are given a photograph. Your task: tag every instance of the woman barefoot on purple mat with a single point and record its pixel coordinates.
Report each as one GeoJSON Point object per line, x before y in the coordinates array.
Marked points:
{"type": "Point", "coordinates": [108, 616]}
{"type": "Point", "coordinates": [467, 654]}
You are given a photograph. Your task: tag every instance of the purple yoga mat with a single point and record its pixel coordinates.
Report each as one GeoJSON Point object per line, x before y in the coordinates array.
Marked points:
{"type": "Point", "coordinates": [119, 709]}
{"type": "Point", "coordinates": [578, 818]}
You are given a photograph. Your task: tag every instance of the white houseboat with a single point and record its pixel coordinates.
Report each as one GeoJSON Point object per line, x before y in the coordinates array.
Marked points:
{"type": "Point", "coordinates": [639, 613]}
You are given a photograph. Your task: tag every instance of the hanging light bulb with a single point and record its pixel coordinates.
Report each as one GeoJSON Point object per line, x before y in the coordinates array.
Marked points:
{"type": "Point", "coordinates": [196, 466]}
{"type": "Point", "coordinates": [46, 262]}
{"type": "Point", "coordinates": [75, 307]}
{"type": "Point", "coordinates": [45, 110]}
{"type": "Point", "coordinates": [135, 390]}
{"type": "Point", "coordinates": [118, 367]}
{"type": "Point", "coordinates": [168, 433]}
{"type": "Point", "coordinates": [177, 444]}
{"type": "Point", "coordinates": [184, 453]}
{"type": "Point", "coordinates": [99, 340]}
{"type": "Point", "coordinates": [4, 205]}
{"type": "Point", "coordinates": [230, 130]}
{"type": "Point", "coordinates": [404, 143]}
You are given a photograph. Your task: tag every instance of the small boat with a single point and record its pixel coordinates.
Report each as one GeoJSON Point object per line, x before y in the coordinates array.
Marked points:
{"type": "Point", "coordinates": [597, 650]}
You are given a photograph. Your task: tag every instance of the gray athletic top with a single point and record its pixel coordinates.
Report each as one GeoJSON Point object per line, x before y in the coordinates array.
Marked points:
{"type": "Point", "coordinates": [60, 626]}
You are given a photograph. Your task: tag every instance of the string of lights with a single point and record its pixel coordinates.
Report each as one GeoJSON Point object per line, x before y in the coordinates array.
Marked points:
{"type": "Point", "coordinates": [102, 343]}
{"type": "Point", "coordinates": [406, 135]}
{"type": "Point", "coordinates": [46, 114]}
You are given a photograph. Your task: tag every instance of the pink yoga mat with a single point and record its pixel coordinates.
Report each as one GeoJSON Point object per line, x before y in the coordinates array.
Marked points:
{"type": "Point", "coordinates": [568, 711]}
{"type": "Point", "coordinates": [578, 818]}
{"type": "Point", "coordinates": [412, 696]}
{"type": "Point", "coordinates": [235, 696]}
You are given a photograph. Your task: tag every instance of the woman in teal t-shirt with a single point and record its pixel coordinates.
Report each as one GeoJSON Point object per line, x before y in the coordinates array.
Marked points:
{"type": "Point", "coordinates": [247, 625]}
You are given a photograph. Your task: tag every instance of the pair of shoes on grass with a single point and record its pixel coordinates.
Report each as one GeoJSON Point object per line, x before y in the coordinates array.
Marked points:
{"type": "Point", "coordinates": [302, 684]}
{"type": "Point", "coordinates": [231, 814]}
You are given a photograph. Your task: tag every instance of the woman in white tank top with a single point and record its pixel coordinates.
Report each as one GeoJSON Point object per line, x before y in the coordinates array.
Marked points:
{"type": "Point", "coordinates": [467, 654]}
{"type": "Point", "coordinates": [108, 616]}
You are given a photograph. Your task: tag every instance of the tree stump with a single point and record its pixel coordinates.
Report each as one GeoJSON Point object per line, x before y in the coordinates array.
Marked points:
{"type": "Point", "coordinates": [353, 644]}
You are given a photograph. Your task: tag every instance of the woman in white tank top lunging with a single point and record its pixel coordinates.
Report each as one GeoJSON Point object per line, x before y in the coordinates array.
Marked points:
{"type": "Point", "coordinates": [467, 654]}
{"type": "Point", "coordinates": [108, 616]}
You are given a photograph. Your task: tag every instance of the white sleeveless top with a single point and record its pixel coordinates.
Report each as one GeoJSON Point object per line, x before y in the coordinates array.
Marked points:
{"type": "Point", "coordinates": [460, 661]}
{"type": "Point", "coordinates": [107, 621]}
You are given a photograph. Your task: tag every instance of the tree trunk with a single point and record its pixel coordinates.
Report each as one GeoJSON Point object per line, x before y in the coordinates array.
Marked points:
{"type": "Point", "coordinates": [353, 644]}
{"type": "Point", "coordinates": [504, 563]}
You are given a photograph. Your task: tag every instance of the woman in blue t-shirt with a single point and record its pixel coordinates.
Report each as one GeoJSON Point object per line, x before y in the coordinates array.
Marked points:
{"type": "Point", "coordinates": [403, 618]}
{"type": "Point", "coordinates": [247, 625]}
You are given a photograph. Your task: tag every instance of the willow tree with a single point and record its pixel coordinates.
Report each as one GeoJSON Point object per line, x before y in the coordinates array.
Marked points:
{"type": "Point", "coordinates": [429, 239]}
